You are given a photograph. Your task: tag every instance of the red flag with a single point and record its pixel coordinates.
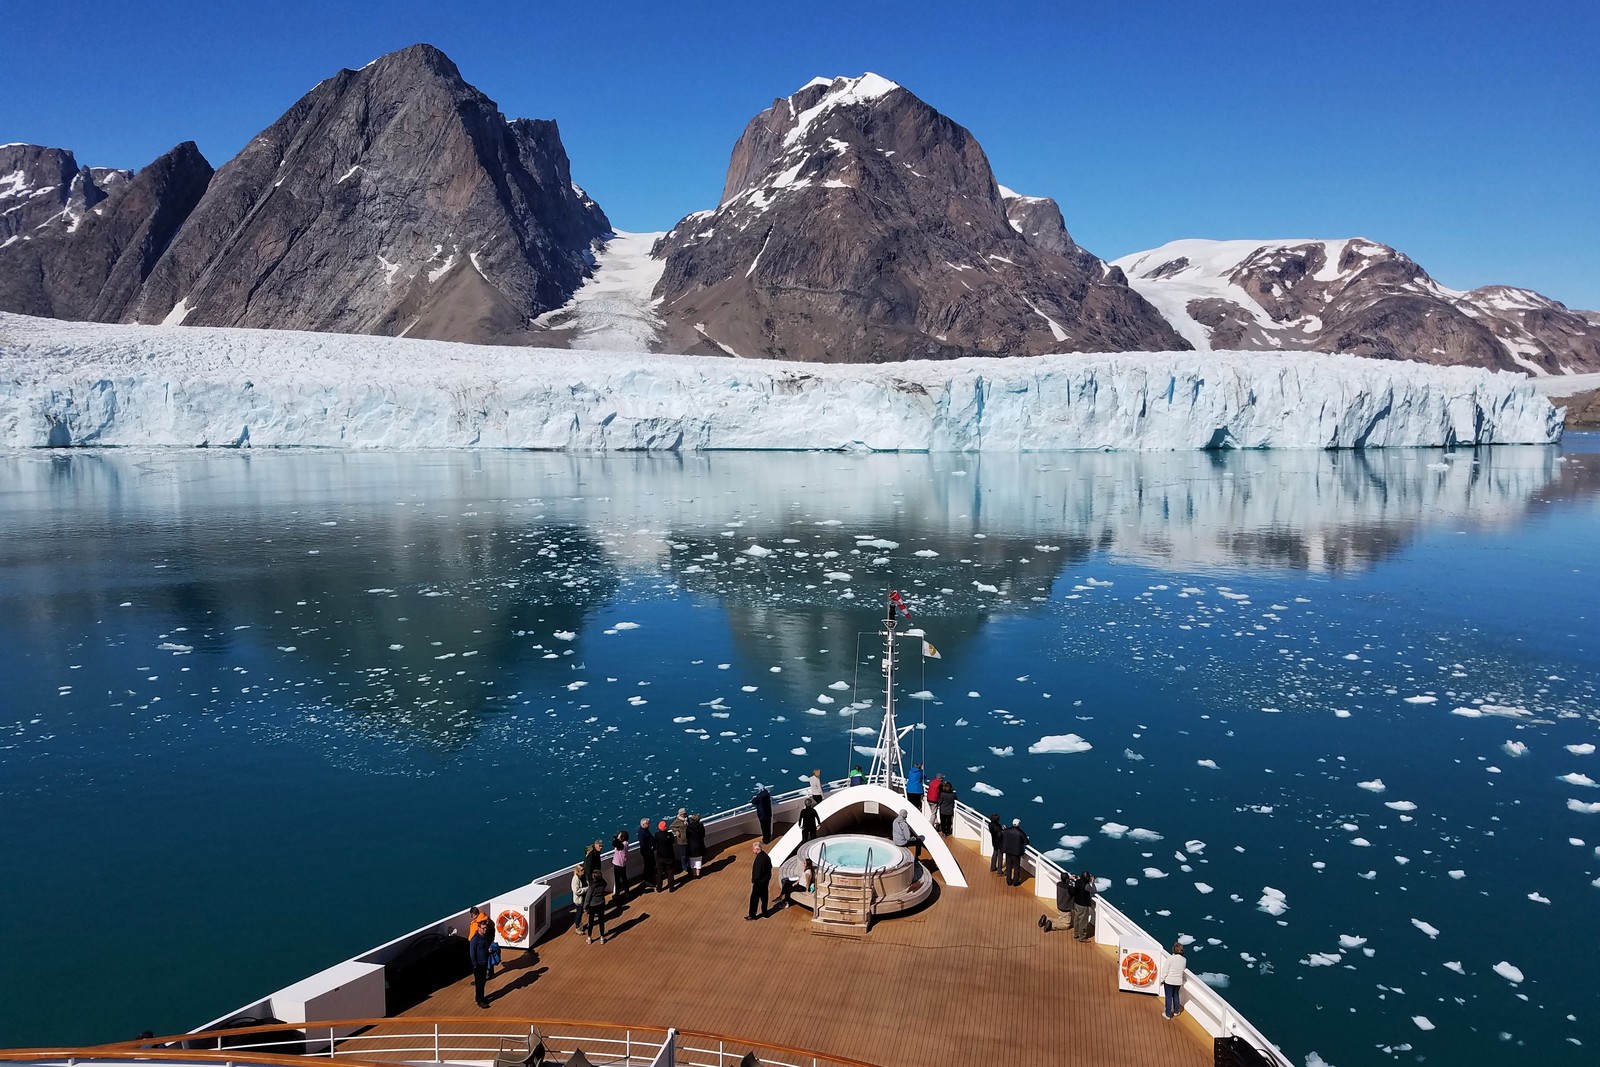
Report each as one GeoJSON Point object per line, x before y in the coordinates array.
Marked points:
{"type": "Point", "coordinates": [896, 600]}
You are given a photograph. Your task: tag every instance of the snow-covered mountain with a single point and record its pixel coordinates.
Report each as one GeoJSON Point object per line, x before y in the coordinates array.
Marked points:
{"type": "Point", "coordinates": [860, 225]}
{"type": "Point", "coordinates": [88, 384]}
{"type": "Point", "coordinates": [1355, 296]}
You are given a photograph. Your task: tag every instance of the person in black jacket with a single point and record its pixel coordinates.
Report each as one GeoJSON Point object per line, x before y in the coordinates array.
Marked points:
{"type": "Point", "coordinates": [695, 832]}
{"type": "Point", "coordinates": [760, 880]}
{"type": "Point", "coordinates": [666, 857]}
{"type": "Point", "coordinates": [1083, 894]}
{"type": "Point", "coordinates": [762, 802]}
{"type": "Point", "coordinates": [594, 902]}
{"type": "Point", "coordinates": [1014, 842]}
{"type": "Point", "coordinates": [947, 807]}
{"type": "Point", "coordinates": [808, 821]}
{"type": "Point", "coordinates": [647, 853]}
{"type": "Point", "coordinates": [995, 826]}
{"type": "Point", "coordinates": [481, 935]}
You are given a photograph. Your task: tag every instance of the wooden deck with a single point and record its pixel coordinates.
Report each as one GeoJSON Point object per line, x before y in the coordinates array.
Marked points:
{"type": "Point", "coordinates": [969, 979]}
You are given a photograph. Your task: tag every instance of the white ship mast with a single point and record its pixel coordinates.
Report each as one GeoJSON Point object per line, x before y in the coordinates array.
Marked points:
{"type": "Point", "coordinates": [888, 768]}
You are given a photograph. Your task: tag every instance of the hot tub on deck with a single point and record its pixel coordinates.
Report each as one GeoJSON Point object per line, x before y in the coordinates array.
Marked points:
{"type": "Point", "coordinates": [898, 881]}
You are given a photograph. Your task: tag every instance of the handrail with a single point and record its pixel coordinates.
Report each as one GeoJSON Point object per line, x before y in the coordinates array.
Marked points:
{"type": "Point", "coordinates": [466, 1026]}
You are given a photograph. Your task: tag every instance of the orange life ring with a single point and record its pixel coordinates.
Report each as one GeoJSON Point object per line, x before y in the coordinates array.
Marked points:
{"type": "Point", "coordinates": [1139, 970]}
{"type": "Point", "coordinates": [513, 926]}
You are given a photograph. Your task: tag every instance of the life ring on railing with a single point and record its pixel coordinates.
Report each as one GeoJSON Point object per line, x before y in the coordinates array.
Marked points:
{"type": "Point", "coordinates": [512, 924]}
{"type": "Point", "coordinates": [1139, 970]}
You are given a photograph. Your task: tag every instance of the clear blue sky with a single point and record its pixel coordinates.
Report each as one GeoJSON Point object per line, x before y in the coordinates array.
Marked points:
{"type": "Point", "coordinates": [1466, 134]}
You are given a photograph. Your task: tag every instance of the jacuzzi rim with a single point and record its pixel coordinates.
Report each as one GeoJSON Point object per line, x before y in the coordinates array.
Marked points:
{"type": "Point", "coordinates": [896, 858]}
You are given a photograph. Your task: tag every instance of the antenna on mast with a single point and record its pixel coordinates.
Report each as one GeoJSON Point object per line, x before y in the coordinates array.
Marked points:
{"type": "Point", "coordinates": [888, 768]}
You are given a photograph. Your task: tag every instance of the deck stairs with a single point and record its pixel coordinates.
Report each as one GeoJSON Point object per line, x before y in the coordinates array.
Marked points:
{"type": "Point", "coordinates": [843, 905]}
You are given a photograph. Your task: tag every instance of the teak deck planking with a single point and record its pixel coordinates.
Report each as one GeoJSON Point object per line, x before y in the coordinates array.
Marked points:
{"type": "Point", "coordinates": [970, 978]}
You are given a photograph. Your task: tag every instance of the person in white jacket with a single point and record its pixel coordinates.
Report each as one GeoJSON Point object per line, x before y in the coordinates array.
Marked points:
{"type": "Point", "coordinates": [1172, 973]}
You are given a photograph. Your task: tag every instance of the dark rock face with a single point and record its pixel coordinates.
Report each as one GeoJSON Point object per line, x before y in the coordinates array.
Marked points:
{"type": "Point", "coordinates": [90, 261]}
{"type": "Point", "coordinates": [1360, 297]}
{"type": "Point", "coordinates": [394, 199]}
{"type": "Point", "coordinates": [44, 189]}
{"type": "Point", "coordinates": [858, 224]}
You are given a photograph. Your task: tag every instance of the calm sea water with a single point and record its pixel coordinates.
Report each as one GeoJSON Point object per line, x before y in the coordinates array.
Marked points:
{"type": "Point", "coordinates": [261, 711]}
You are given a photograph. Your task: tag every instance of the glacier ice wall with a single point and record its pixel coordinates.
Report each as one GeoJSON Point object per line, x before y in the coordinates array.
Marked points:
{"type": "Point", "coordinates": [89, 384]}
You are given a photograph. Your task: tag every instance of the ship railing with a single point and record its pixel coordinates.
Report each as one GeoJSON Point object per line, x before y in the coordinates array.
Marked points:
{"type": "Point", "coordinates": [462, 1040]}
{"type": "Point", "coordinates": [1112, 926]}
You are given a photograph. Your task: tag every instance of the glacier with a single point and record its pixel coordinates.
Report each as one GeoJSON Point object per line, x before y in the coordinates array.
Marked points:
{"type": "Point", "coordinates": [87, 384]}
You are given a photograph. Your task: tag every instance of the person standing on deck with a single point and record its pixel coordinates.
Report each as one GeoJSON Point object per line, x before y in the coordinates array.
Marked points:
{"type": "Point", "coordinates": [1083, 894]}
{"type": "Point", "coordinates": [814, 785]}
{"type": "Point", "coordinates": [1174, 969]}
{"type": "Point", "coordinates": [580, 889]}
{"type": "Point", "coordinates": [595, 902]}
{"type": "Point", "coordinates": [647, 853]}
{"type": "Point", "coordinates": [914, 785]}
{"type": "Point", "coordinates": [591, 861]}
{"type": "Point", "coordinates": [482, 936]}
{"type": "Point", "coordinates": [932, 809]}
{"type": "Point", "coordinates": [1014, 840]}
{"type": "Point", "coordinates": [680, 838]}
{"type": "Point", "coordinates": [808, 820]}
{"type": "Point", "coordinates": [856, 777]}
{"type": "Point", "coordinates": [665, 847]}
{"type": "Point", "coordinates": [900, 833]}
{"type": "Point", "coordinates": [1063, 919]}
{"type": "Point", "coordinates": [696, 845]}
{"type": "Point", "coordinates": [947, 807]}
{"type": "Point", "coordinates": [762, 802]}
{"type": "Point", "coordinates": [619, 864]}
{"type": "Point", "coordinates": [995, 850]}
{"type": "Point", "coordinates": [760, 880]}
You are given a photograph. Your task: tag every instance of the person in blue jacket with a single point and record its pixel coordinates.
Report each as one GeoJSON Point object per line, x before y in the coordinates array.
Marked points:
{"type": "Point", "coordinates": [914, 783]}
{"type": "Point", "coordinates": [482, 936]}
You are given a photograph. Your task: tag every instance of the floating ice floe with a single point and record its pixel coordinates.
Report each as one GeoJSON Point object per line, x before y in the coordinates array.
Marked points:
{"type": "Point", "coordinates": [1400, 805]}
{"type": "Point", "coordinates": [1059, 743]}
{"type": "Point", "coordinates": [1218, 980]}
{"type": "Point", "coordinates": [1455, 965]}
{"type": "Point", "coordinates": [1008, 750]}
{"type": "Point", "coordinates": [1375, 786]}
{"type": "Point", "coordinates": [1538, 898]}
{"type": "Point", "coordinates": [1577, 779]}
{"type": "Point", "coordinates": [1211, 763]}
{"type": "Point", "coordinates": [986, 789]}
{"type": "Point", "coordinates": [1505, 711]}
{"type": "Point", "coordinates": [1428, 928]}
{"type": "Point", "coordinates": [1515, 748]}
{"type": "Point", "coordinates": [1422, 700]}
{"type": "Point", "coordinates": [1203, 887]}
{"type": "Point", "coordinates": [1422, 1022]}
{"type": "Point", "coordinates": [1074, 840]}
{"type": "Point", "coordinates": [1323, 959]}
{"type": "Point", "coordinates": [1509, 972]}
{"type": "Point", "coordinates": [1351, 940]}
{"type": "Point", "coordinates": [1273, 901]}
{"type": "Point", "coordinates": [758, 551]}
{"type": "Point", "coordinates": [1573, 804]}
{"type": "Point", "coordinates": [1581, 750]}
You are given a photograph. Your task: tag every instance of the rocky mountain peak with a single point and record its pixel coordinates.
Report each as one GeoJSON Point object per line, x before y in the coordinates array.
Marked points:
{"type": "Point", "coordinates": [391, 199]}
{"type": "Point", "coordinates": [1354, 295]}
{"type": "Point", "coordinates": [857, 223]}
